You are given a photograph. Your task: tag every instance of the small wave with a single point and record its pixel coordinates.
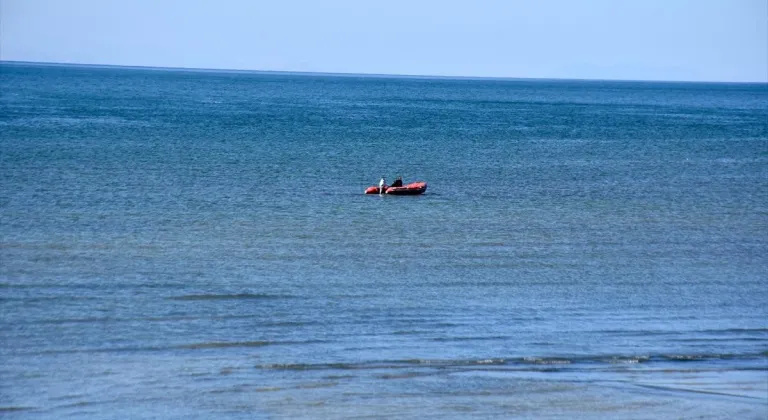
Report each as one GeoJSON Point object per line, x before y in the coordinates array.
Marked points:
{"type": "Point", "coordinates": [231, 344]}
{"type": "Point", "coordinates": [190, 346]}
{"type": "Point", "coordinates": [405, 375]}
{"type": "Point", "coordinates": [290, 366]}
{"type": "Point", "coordinates": [720, 340]}
{"type": "Point", "coordinates": [699, 391]}
{"type": "Point", "coordinates": [14, 408]}
{"type": "Point", "coordinates": [696, 357]}
{"type": "Point", "coordinates": [236, 296]}
{"type": "Point", "coordinates": [456, 363]}
{"type": "Point", "coordinates": [288, 323]}
{"type": "Point", "coordinates": [407, 332]}
{"type": "Point", "coordinates": [391, 364]}
{"type": "Point", "coordinates": [459, 339]}
{"type": "Point", "coordinates": [39, 299]}
{"type": "Point", "coordinates": [142, 319]}
{"type": "Point", "coordinates": [737, 331]}
{"type": "Point", "coordinates": [638, 333]}
{"type": "Point", "coordinates": [169, 319]}
{"type": "Point", "coordinates": [490, 362]}
{"type": "Point", "coordinates": [313, 385]}
{"type": "Point", "coordinates": [71, 321]}
{"type": "Point", "coordinates": [546, 361]}
{"type": "Point", "coordinates": [530, 362]}
{"type": "Point", "coordinates": [225, 344]}
{"type": "Point", "coordinates": [316, 366]}
{"type": "Point", "coordinates": [269, 389]}
{"type": "Point", "coordinates": [617, 360]}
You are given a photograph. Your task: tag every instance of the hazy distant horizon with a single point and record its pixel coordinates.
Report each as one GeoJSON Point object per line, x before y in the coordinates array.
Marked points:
{"type": "Point", "coordinates": [376, 75]}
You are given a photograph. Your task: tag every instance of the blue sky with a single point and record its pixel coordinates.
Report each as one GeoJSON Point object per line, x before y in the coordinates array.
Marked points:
{"type": "Point", "coordinates": [697, 40]}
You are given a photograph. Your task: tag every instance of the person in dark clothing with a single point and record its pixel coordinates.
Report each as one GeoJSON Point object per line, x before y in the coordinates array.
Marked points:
{"type": "Point", "coordinates": [398, 182]}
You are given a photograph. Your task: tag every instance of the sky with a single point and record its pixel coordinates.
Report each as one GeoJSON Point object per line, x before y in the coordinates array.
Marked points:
{"type": "Point", "coordinates": [693, 40]}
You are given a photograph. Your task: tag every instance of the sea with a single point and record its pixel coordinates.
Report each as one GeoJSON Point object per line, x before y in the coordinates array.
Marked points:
{"type": "Point", "coordinates": [196, 244]}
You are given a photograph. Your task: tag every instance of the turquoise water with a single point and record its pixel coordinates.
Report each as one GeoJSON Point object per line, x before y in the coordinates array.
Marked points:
{"type": "Point", "coordinates": [182, 244]}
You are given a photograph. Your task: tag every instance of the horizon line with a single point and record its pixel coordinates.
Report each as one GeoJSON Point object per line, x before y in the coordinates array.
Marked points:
{"type": "Point", "coordinates": [346, 74]}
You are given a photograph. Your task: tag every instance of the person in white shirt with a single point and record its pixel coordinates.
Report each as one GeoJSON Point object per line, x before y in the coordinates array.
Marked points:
{"type": "Point", "coordinates": [382, 184]}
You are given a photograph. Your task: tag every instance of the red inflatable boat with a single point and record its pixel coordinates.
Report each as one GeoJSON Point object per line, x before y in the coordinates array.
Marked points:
{"type": "Point", "coordinates": [414, 188]}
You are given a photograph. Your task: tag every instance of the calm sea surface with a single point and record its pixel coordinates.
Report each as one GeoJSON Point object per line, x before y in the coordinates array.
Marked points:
{"type": "Point", "coordinates": [179, 244]}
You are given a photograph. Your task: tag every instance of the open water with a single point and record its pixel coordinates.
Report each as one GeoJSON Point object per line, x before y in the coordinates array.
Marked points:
{"type": "Point", "coordinates": [196, 244]}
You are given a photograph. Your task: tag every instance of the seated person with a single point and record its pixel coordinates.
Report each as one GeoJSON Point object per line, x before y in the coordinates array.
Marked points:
{"type": "Point", "coordinates": [398, 182]}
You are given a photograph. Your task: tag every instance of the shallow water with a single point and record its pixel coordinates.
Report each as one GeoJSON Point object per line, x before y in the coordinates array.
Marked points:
{"type": "Point", "coordinates": [194, 244]}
